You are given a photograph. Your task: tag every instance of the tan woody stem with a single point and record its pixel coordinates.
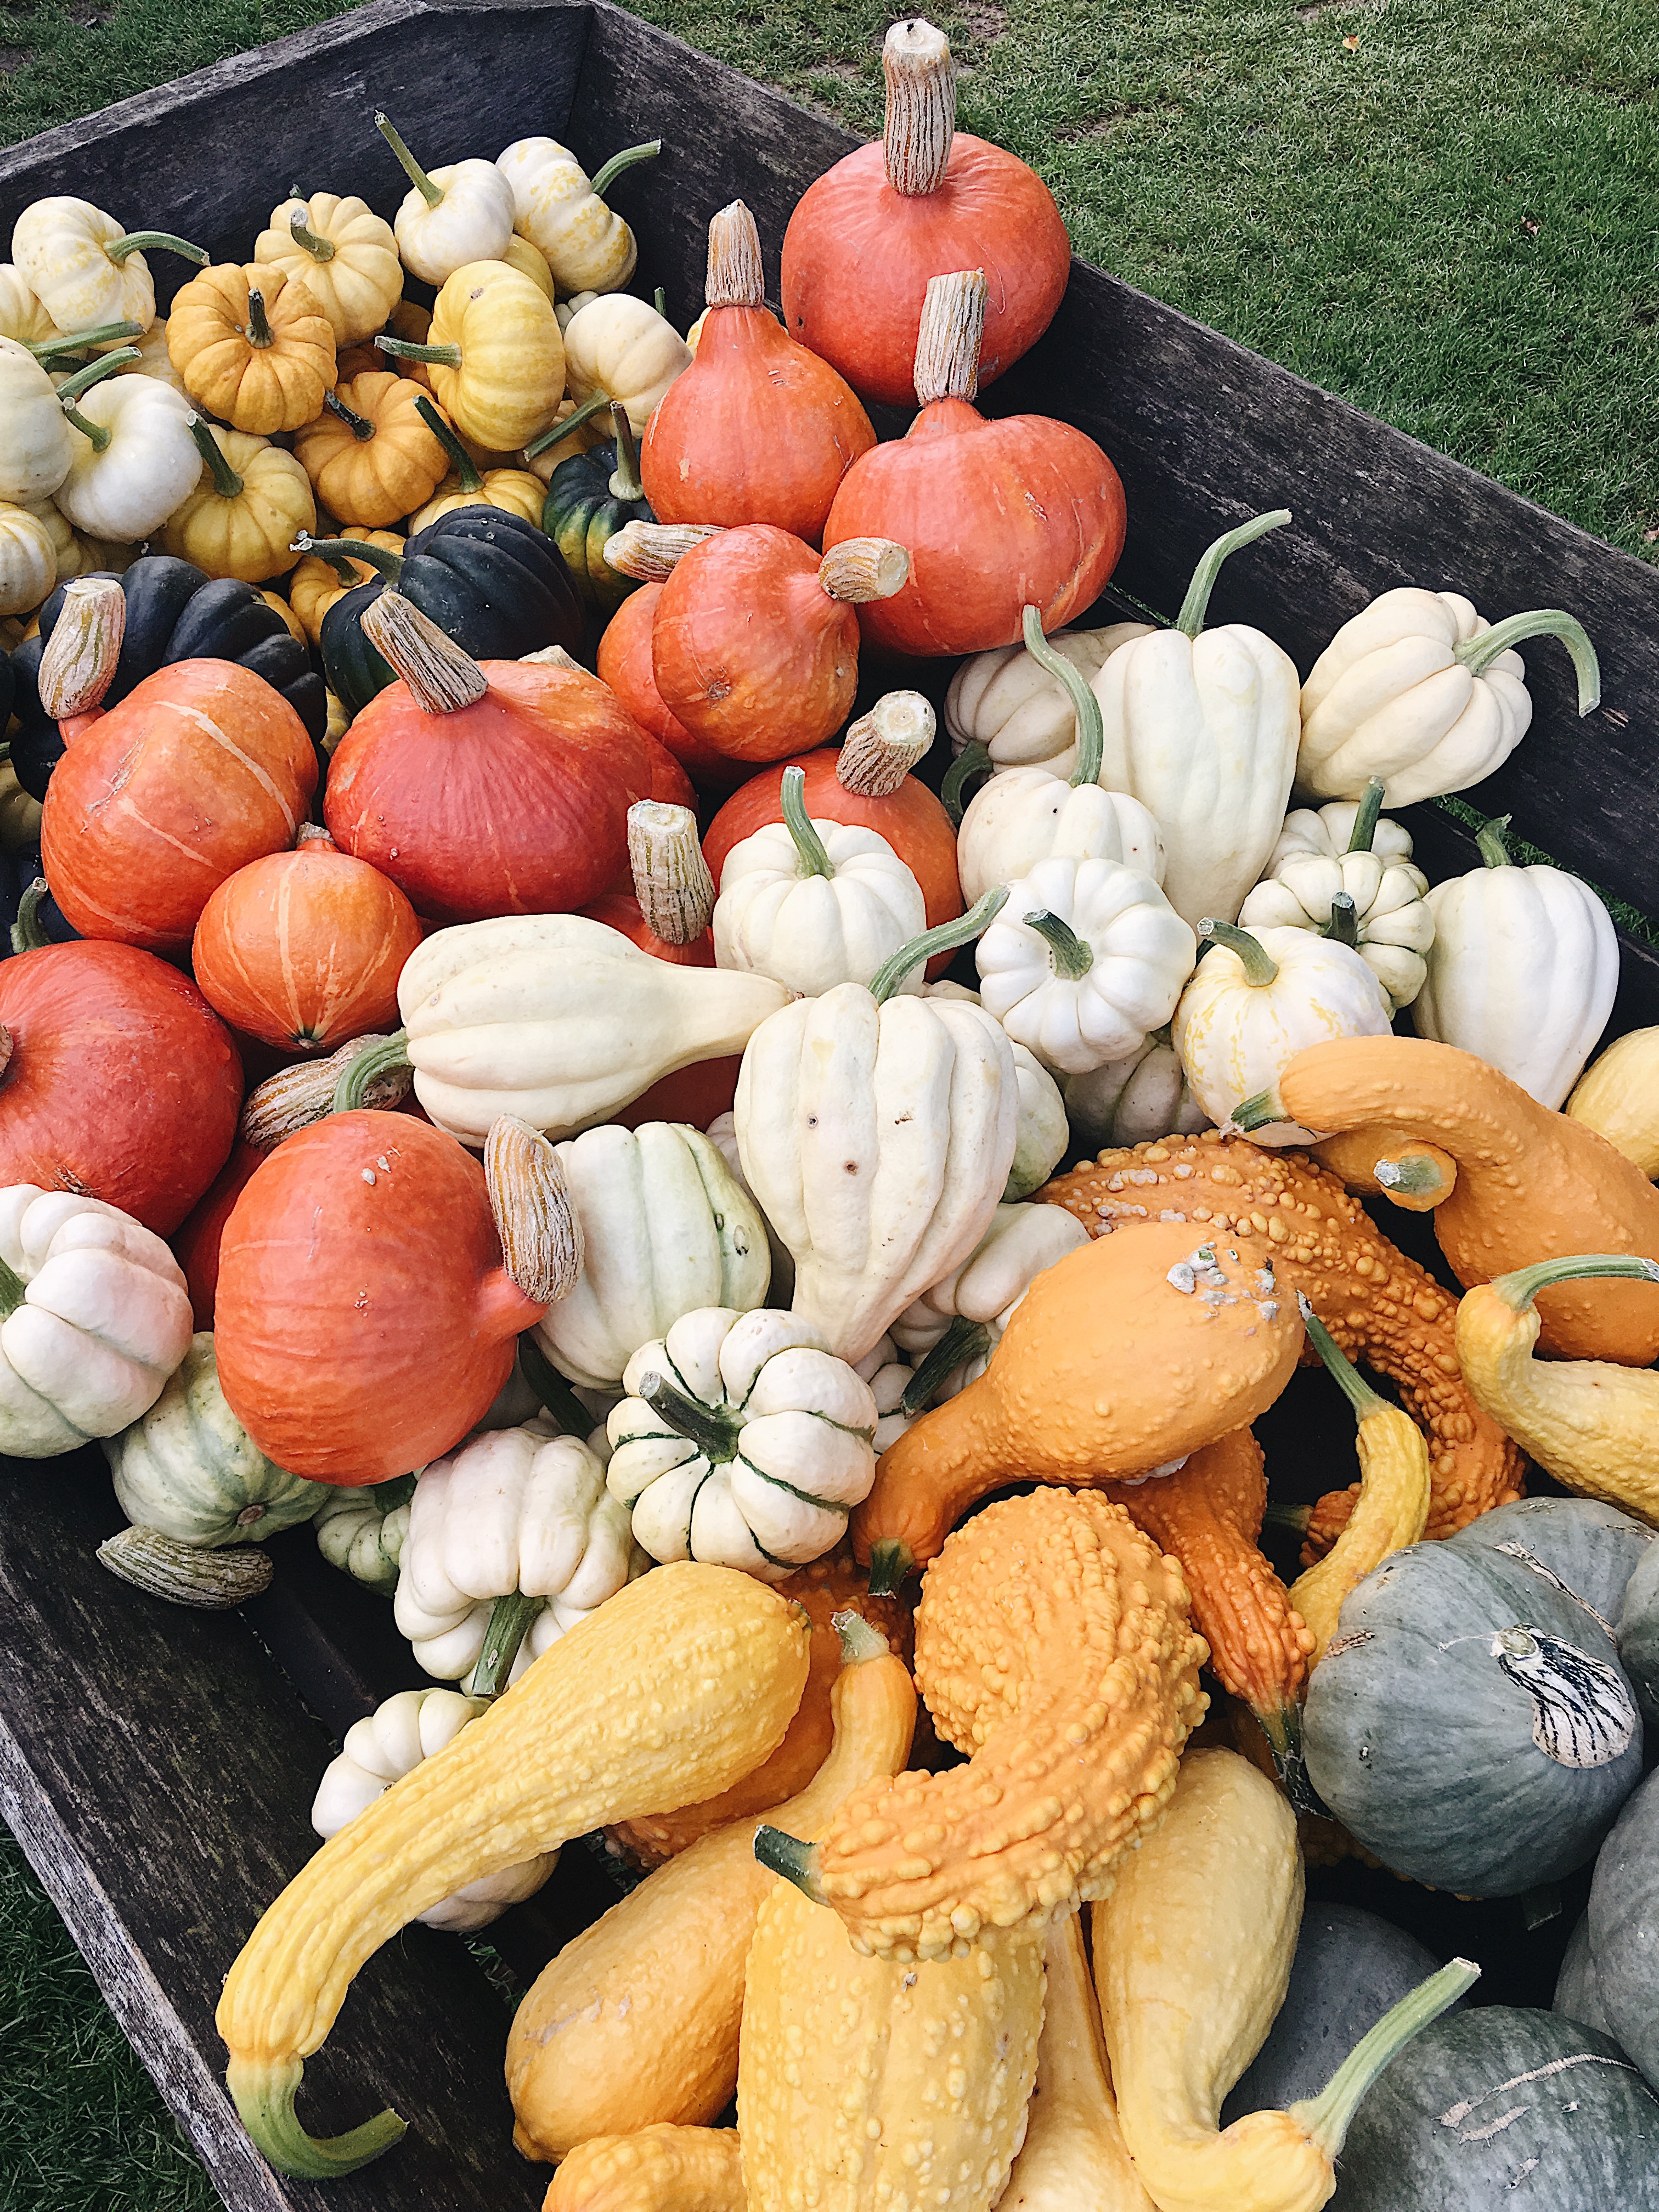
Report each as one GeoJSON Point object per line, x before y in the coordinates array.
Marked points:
{"type": "Point", "coordinates": [649, 551]}
{"type": "Point", "coordinates": [735, 278]}
{"type": "Point", "coordinates": [541, 1238]}
{"type": "Point", "coordinates": [949, 340]}
{"type": "Point", "coordinates": [882, 747]}
{"type": "Point", "coordinates": [860, 569]}
{"type": "Point", "coordinates": [921, 106]}
{"type": "Point", "coordinates": [296, 1097]}
{"type": "Point", "coordinates": [671, 882]}
{"type": "Point", "coordinates": [77, 664]}
{"type": "Point", "coordinates": [441, 678]}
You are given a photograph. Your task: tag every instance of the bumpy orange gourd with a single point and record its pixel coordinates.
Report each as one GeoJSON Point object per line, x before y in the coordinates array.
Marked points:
{"type": "Point", "coordinates": [1126, 1354]}
{"type": "Point", "coordinates": [659, 2169]}
{"type": "Point", "coordinates": [1052, 1646]}
{"type": "Point", "coordinates": [1382, 1308]}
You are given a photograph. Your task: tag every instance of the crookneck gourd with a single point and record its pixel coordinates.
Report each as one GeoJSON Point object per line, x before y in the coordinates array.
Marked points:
{"type": "Point", "coordinates": [1382, 1309]}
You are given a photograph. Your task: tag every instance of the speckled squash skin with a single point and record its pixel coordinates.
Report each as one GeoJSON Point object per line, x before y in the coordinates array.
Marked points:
{"type": "Point", "coordinates": [636, 2020]}
{"type": "Point", "coordinates": [1384, 1309]}
{"type": "Point", "coordinates": [1052, 1646]}
{"type": "Point", "coordinates": [1106, 1369]}
{"type": "Point", "coordinates": [661, 2169]}
{"type": "Point", "coordinates": [867, 2086]}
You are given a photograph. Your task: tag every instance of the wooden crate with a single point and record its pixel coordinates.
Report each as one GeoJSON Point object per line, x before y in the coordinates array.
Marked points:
{"type": "Point", "coordinates": [159, 1765]}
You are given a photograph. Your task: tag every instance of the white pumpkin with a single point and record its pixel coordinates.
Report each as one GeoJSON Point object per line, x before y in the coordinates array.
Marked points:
{"type": "Point", "coordinates": [93, 1318]}
{"type": "Point", "coordinates": [1134, 1100]}
{"type": "Point", "coordinates": [1021, 1242]}
{"type": "Point", "coordinates": [722, 1133]}
{"type": "Point", "coordinates": [1421, 690]}
{"type": "Point", "coordinates": [85, 268]}
{"type": "Point", "coordinates": [134, 461]}
{"type": "Point", "coordinates": [1255, 1001]}
{"type": "Point", "coordinates": [28, 561]}
{"type": "Point", "coordinates": [363, 1531]}
{"type": "Point", "coordinates": [520, 1512]}
{"type": "Point", "coordinates": [1328, 832]}
{"type": "Point", "coordinates": [36, 446]}
{"type": "Point", "coordinates": [743, 1442]}
{"type": "Point", "coordinates": [889, 1376]}
{"type": "Point", "coordinates": [1043, 1130]}
{"type": "Point", "coordinates": [1009, 702]}
{"type": "Point", "coordinates": [812, 904]}
{"type": "Point", "coordinates": [621, 347]}
{"type": "Point", "coordinates": [666, 1228]}
{"type": "Point", "coordinates": [1201, 726]}
{"type": "Point", "coordinates": [462, 212]}
{"type": "Point", "coordinates": [557, 207]}
{"type": "Point", "coordinates": [380, 1749]}
{"type": "Point", "coordinates": [1522, 972]}
{"type": "Point", "coordinates": [1086, 958]}
{"type": "Point", "coordinates": [21, 315]}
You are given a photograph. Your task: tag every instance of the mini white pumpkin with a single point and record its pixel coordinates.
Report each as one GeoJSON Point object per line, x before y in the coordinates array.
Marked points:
{"type": "Point", "coordinates": [1086, 958]}
{"type": "Point", "coordinates": [461, 213]}
{"type": "Point", "coordinates": [1327, 831]}
{"type": "Point", "coordinates": [812, 904]}
{"type": "Point", "coordinates": [35, 445]}
{"type": "Point", "coordinates": [85, 269]}
{"type": "Point", "coordinates": [1009, 701]}
{"type": "Point", "coordinates": [134, 460]}
{"type": "Point", "coordinates": [743, 1442]}
{"type": "Point", "coordinates": [93, 1318]}
{"type": "Point", "coordinates": [1421, 690]}
{"type": "Point", "coordinates": [1134, 1100]}
{"type": "Point", "coordinates": [621, 348]}
{"type": "Point", "coordinates": [380, 1749]}
{"type": "Point", "coordinates": [558, 208]}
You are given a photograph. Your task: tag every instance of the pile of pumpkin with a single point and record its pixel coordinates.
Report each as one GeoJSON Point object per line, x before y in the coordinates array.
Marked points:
{"type": "Point", "coordinates": [594, 1208]}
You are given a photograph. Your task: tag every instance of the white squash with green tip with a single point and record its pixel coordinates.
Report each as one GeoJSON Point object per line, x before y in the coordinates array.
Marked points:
{"type": "Point", "coordinates": [462, 212]}
{"type": "Point", "coordinates": [133, 460]}
{"type": "Point", "coordinates": [622, 347]}
{"type": "Point", "coordinates": [85, 269]}
{"type": "Point", "coordinates": [559, 208]}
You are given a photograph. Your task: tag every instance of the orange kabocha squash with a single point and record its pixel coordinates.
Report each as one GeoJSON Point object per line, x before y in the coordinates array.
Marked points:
{"type": "Point", "coordinates": [757, 429]}
{"type": "Point", "coordinates": [624, 662]}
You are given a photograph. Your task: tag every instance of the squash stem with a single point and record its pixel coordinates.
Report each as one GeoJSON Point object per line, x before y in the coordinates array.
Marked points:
{"type": "Point", "coordinates": [431, 193]}
{"type": "Point", "coordinates": [1072, 957]}
{"type": "Point", "coordinates": [974, 760]}
{"type": "Point", "coordinates": [1416, 1175]}
{"type": "Point", "coordinates": [13, 1290]}
{"type": "Point", "coordinates": [625, 483]}
{"type": "Point", "coordinates": [1477, 654]}
{"type": "Point", "coordinates": [629, 156]}
{"type": "Point", "coordinates": [226, 481]}
{"type": "Point", "coordinates": [1328, 2117]}
{"type": "Point", "coordinates": [1521, 1285]}
{"type": "Point", "coordinates": [1489, 838]}
{"type": "Point", "coordinates": [357, 1074]}
{"type": "Point", "coordinates": [264, 2089]}
{"type": "Point", "coordinates": [1343, 927]}
{"type": "Point", "coordinates": [1091, 731]}
{"type": "Point", "coordinates": [84, 341]}
{"type": "Point", "coordinates": [154, 241]}
{"type": "Point", "coordinates": [550, 1386]}
{"type": "Point", "coordinates": [890, 1560]}
{"type": "Point", "coordinates": [69, 391]}
{"type": "Point", "coordinates": [510, 1621]}
{"type": "Point", "coordinates": [963, 1340]}
{"type": "Point", "coordinates": [390, 564]}
{"type": "Point", "coordinates": [1295, 1518]}
{"type": "Point", "coordinates": [447, 356]}
{"type": "Point", "coordinates": [320, 249]}
{"type": "Point", "coordinates": [359, 425]}
{"type": "Point", "coordinates": [1282, 1726]}
{"type": "Point", "coordinates": [27, 934]}
{"type": "Point", "coordinates": [1341, 1369]}
{"type": "Point", "coordinates": [459, 459]}
{"type": "Point", "coordinates": [1363, 833]}
{"type": "Point", "coordinates": [946, 938]}
{"type": "Point", "coordinates": [1260, 968]}
{"type": "Point", "coordinates": [1196, 604]}
{"type": "Point", "coordinates": [660, 301]}
{"type": "Point", "coordinates": [792, 1859]}
{"type": "Point", "coordinates": [595, 403]}
{"type": "Point", "coordinates": [1255, 1113]}
{"type": "Point", "coordinates": [810, 858]}
{"type": "Point", "coordinates": [859, 1642]}
{"type": "Point", "coordinates": [715, 1434]}
{"type": "Point", "coordinates": [259, 332]}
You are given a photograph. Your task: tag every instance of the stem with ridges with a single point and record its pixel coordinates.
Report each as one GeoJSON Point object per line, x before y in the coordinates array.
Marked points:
{"type": "Point", "coordinates": [673, 886]}
{"type": "Point", "coordinates": [859, 1642]}
{"type": "Point", "coordinates": [264, 2089]}
{"type": "Point", "coordinates": [882, 747]}
{"type": "Point", "coordinates": [441, 677]}
{"type": "Point", "coordinates": [650, 551]}
{"type": "Point", "coordinates": [359, 425]}
{"type": "Point", "coordinates": [660, 301]}
{"type": "Point", "coordinates": [1489, 840]}
{"type": "Point", "coordinates": [431, 193]}
{"type": "Point", "coordinates": [734, 275]}
{"type": "Point", "coordinates": [963, 1340]}
{"type": "Point", "coordinates": [890, 1560]}
{"type": "Point", "coordinates": [226, 481]}
{"type": "Point", "coordinates": [259, 332]}
{"type": "Point", "coordinates": [860, 569]}
{"type": "Point", "coordinates": [787, 1855]}
{"type": "Point", "coordinates": [79, 660]}
{"type": "Point", "coordinates": [1340, 1369]}
{"type": "Point", "coordinates": [27, 934]}
{"type": "Point", "coordinates": [459, 459]}
{"type": "Point", "coordinates": [920, 124]}
{"type": "Point", "coordinates": [715, 1435]}
{"type": "Point", "coordinates": [1196, 604]}
{"type": "Point", "coordinates": [625, 476]}
{"type": "Point", "coordinates": [154, 241]}
{"type": "Point", "coordinates": [511, 1619]}
{"type": "Point", "coordinates": [950, 337]}
{"type": "Point", "coordinates": [647, 150]}
{"type": "Point", "coordinates": [1477, 654]}
{"type": "Point", "coordinates": [1326, 2117]}
{"type": "Point", "coordinates": [595, 401]}
{"type": "Point", "coordinates": [83, 379]}
{"type": "Point", "coordinates": [1260, 968]}
{"type": "Point", "coordinates": [1256, 1112]}
{"type": "Point", "coordinates": [359, 1073]}
{"type": "Point", "coordinates": [557, 1397]}
{"type": "Point", "coordinates": [1090, 732]}
{"type": "Point", "coordinates": [334, 549]}
{"type": "Point", "coordinates": [1363, 833]}
{"type": "Point", "coordinates": [84, 341]}
{"type": "Point", "coordinates": [1521, 1285]}
{"type": "Point", "coordinates": [320, 249]}
{"type": "Point", "coordinates": [447, 356]}
{"type": "Point", "coordinates": [1071, 957]}
{"type": "Point", "coordinates": [974, 759]}
{"type": "Point", "coordinates": [810, 858]}
{"type": "Point", "coordinates": [946, 938]}
{"type": "Point", "coordinates": [1343, 927]}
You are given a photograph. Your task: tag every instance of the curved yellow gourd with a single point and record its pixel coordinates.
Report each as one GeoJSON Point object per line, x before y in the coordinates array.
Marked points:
{"type": "Point", "coordinates": [1593, 1425]}
{"type": "Point", "coordinates": [636, 2020]}
{"type": "Point", "coordinates": [1617, 1096]}
{"type": "Point", "coordinates": [1392, 1510]}
{"type": "Point", "coordinates": [676, 1686]}
{"type": "Point", "coordinates": [866, 2086]}
{"type": "Point", "coordinates": [659, 2169]}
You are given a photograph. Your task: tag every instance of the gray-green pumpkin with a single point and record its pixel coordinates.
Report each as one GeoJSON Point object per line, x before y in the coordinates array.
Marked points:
{"type": "Point", "coordinates": [190, 1468]}
{"type": "Point", "coordinates": [1575, 1992]}
{"type": "Point", "coordinates": [1591, 1548]}
{"type": "Point", "coordinates": [1624, 1929]}
{"type": "Point", "coordinates": [362, 1532]}
{"type": "Point", "coordinates": [1638, 1635]}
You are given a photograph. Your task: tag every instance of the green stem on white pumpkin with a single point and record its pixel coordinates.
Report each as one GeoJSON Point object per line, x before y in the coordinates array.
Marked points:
{"type": "Point", "coordinates": [1259, 966]}
{"type": "Point", "coordinates": [974, 759]}
{"type": "Point", "coordinates": [359, 425]}
{"type": "Point", "coordinates": [810, 858]}
{"type": "Point", "coordinates": [83, 379]}
{"type": "Point", "coordinates": [625, 481]}
{"type": "Point", "coordinates": [1091, 731]}
{"type": "Point", "coordinates": [1072, 957]}
{"type": "Point", "coordinates": [27, 934]}
{"type": "Point", "coordinates": [607, 176]}
{"type": "Point", "coordinates": [595, 403]}
{"type": "Point", "coordinates": [788, 1855]}
{"type": "Point", "coordinates": [715, 1434]}
{"type": "Point", "coordinates": [1521, 1285]}
{"type": "Point", "coordinates": [890, 1560]}
{"type": "Point", "coordinates": [1477, 655]}
{"type": "Point", "coordinates": [459, 459]}
{"type": "Point", "coordinates": [359, 1074]}
{"type": "Point", "coordinates": [1328, 2117]}
{"type": "Point", "coordinates": [226, 481]}
{"type": "Point", "coordinates": [1338, 1365]}
{"type": "Point", "coordinates": [963, 1340]}
{"type": "Point", "coordinates": [859, 1642]}
{"type": "Point", "coordinates": [84, 341]}
{"type": "Point", "coordinates": [1363, 833]}
{"type": "Point", "coordinates": [557, 1396]}
{"type": "Point", "coordinates": [511, 1619]}
{"type": "Point", "coordinates": [946, 938]}
{"type": "Point", "coordinates": [390, 564]}
{"type": "Point", "coordinates": [13, 1290]}
{"type": "Point", "coordinates": [1196, 604]}
{"type": "Point", "coordinates": [446, 356]}
{"type": "Point", "coordinates": [431, 193]}
{"type": "Point", "coordinates": [1489, 840]}
{"type": "Point", "coordinates": [259, 332]}
{"type": "Point", "coordinates": [1343, 927]}
{"type": "Point", "coordinates": [660, 301]}
{"type": "Point", "coordinates": [264, 2090]}
{"type": "Point", "coordinates": [154, 241]}
{"type": "Point", "coordinates": [1255, 1113]}
{"type": "Point", "coordinates": [320, 249]}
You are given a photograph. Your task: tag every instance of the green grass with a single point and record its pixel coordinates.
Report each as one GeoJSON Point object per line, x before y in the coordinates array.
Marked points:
{"type": "Point", "coordinates": [1450, 221]}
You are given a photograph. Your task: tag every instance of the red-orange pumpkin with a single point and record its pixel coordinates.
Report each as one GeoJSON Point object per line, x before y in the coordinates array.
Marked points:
{"type": "Point", "coordinates": [201, 769]}
{"type": "Point", "coordinates": [757, 429]}
{"type": "Point", "coordinates": [304, 949]}
{"type": "Point", "coordinates": [196, 1244]}
{"type": "Point", "coordinates": [118, 1079]}
{"type": "Point", "coordinates": [364, 1321]}
{"type": "Point", "coordinates": [997, 515]}
{"type": "Point", "coordinates": [624, 662]}
{"type": "Point", "coordinates": [864, 240]}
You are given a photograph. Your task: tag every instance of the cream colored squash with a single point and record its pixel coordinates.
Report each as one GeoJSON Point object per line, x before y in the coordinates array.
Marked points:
{"type": "Point", "coordinates": [461, 213]}
{"type": "Point", "coordinates": [85, 268]}
{"type": "Point", "coordinates": [530, 261]}
{"type": "Point", "coordinates": [345, 255]}
{"type": "Point", "coordinates": [1008, 701]}
{"type": "Point", "coordinates": [619, 346]}
{"type": "Point", "coordinates": [362, 1532]}
{"type": "Point", "coordinates": [153, 358]}
{"type": "Point", "coordinates": [133, 460]}
{"type": "Point", "coordinates": [28, 561]}
{"type": "Point", "coordinates": [722, 1133]}
{"type": "Point", "coordinates": [36, 447]}
{"type": "Point", "coordinates": [1134, 1100]}
{"type": "Point", "coordinates": [21, 315]}
{"type": "Point", "coordinates": [1327, 831]}
{"type": "Point", "coordinates": [558, 208]}
{"type": "Point", "coordinates": [1044, 1131]}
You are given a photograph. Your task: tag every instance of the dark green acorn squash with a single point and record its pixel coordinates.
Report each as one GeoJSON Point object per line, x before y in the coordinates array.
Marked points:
{"type": "Point", "coordinates": [1500, 2110]}
{"type": "Point", "coordinates": [1591, 1548]}
{"type": "Point", "coordinates": [1624, 1929]}
{"type": "Point", "coordinates": [1638, 1636]}
{"type": "Point", "coordinates": [174, 612]}
{"type": "Point", "coordinates": [1575, 1992]}
{"type": "Point", "coordinates": [490, 580]}
{"type": "Point", "coordinates": [1470, 1723]}
{"type": "Point", "coordinates": [591, 497]}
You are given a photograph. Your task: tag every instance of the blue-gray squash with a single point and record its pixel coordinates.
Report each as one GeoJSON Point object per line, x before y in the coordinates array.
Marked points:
{"type": "Point", "coordinates": [1591, 1548]}
{"type": "Point", "coordinates": [1470, 1723]}
{"type": "Point", "coordinates": [1498, 2110]}
{"type": "Point", "coordinates": [1638, 1636]}
{"type": "Point", "coordinates": [1624, 1929]}
{"type": "Point", "coordinates": [1576, 1993]}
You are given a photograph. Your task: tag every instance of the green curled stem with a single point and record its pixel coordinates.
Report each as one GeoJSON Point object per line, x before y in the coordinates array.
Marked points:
{"type": "Point", "coordinates": [459, 459]}
{"type": "Point", "coordinates": [226, 481]}
{"type": "Point", "coordinates": [1091, 731]}
{"type": "Point", "coordinates": [1521, 1285]}
{"type": "Point", "coordinates": [1071, 957]}
{"type": "Point", "coordinates": [974, 760]}
{"type": "Point", "coordinates": [595, 403]}
{"type": "Point", "coordinates": [1196, 604]}
{"type": "Point", "coordinates": [810, 858]}
{"type": "Point", "coordinates": [84, 341]}
{"type": "Point", "coordinates": [357, 1074]}
{"type": "Point", "coordinates": [607, 176]}
{"type": "Point", "coordinates": [264, 2090]}
{"type": "Point", "coordinates": [946, 938]}
{"type": "Point", "coordinates": [1259, 966]}
{"type": "Point", "coordinates": [154, 241]}
{"type": "Point", "coordinates": [1363, 833]}
{"type": "Point", "coordinates": [1478, 653]}
{"type": "Point", "coordinates": [963, 1340]}
{"type": "Point", "coordinates": [431, 193]}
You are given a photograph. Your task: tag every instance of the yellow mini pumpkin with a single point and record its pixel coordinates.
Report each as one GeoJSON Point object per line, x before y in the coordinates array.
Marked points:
{"type": "Point", "coordinates": [319, 582]}
{"type": "Point", "coordinates": [343, 253]}
{"type": "Point", "coordinates": [370, 455]}
{"type": "Point", "coordinates": [495, 354]}
{"type": "Point", "coordinates": [279, 606]}
{"type": "Point", "coordinates": [252, 347]}
{"type": "Point", "coordinates": [530, 261]}
{"type": "Point", "coordinates": [243, 517]}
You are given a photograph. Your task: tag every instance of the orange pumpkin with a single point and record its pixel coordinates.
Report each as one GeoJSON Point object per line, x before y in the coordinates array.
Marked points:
{"type": "Point", "coordinates": [624, 662]}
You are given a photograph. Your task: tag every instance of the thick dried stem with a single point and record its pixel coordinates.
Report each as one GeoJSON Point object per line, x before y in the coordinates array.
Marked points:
{"type": "Point", "coordinates": [77, 664]}
{"type": "Point", "coordinates": [921, 106]}
{"type": "Point", "coordinates": [541, 1238]}
{"type": "Point", "coordinates": [860, 569]}
{"type": "Point", "coordinates": [441, 678]}
{"type": "Point", "coordinates": [671, 882]}
{"type": "Point", "coordinates": [736, 278]}
{"type": "Point", "coordinates": [882, 747]}
{"type": "Point", "coordinates": [649, 551]}
{"type": "Point", "coordinates": [948, 342]}
{"type": "Point", "coordinates": [296, 1097]}
{"type": "Point", "coordinates": [550, 656]}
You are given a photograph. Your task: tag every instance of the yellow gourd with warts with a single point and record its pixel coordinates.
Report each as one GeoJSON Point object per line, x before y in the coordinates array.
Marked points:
{"type": "Point", "coordinates": [1593, 1425]}
{"type": "Point", "coordinates": [1393, 1507]}
{"type": "Point", "coordinates": [659, 2169]}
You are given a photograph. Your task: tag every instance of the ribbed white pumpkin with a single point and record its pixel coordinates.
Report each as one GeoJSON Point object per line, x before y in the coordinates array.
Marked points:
{"type": "Point", "coordinates": [1044, 1131]}
{"type": "Point", "coordinates": [363, 1531]}
{"type": "Point", "coordinates": [1134, 1100]}
{"type": "Point", "coordinates": [1006, 701]}
{"type": "Point", "coordinates": [35, 445]}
